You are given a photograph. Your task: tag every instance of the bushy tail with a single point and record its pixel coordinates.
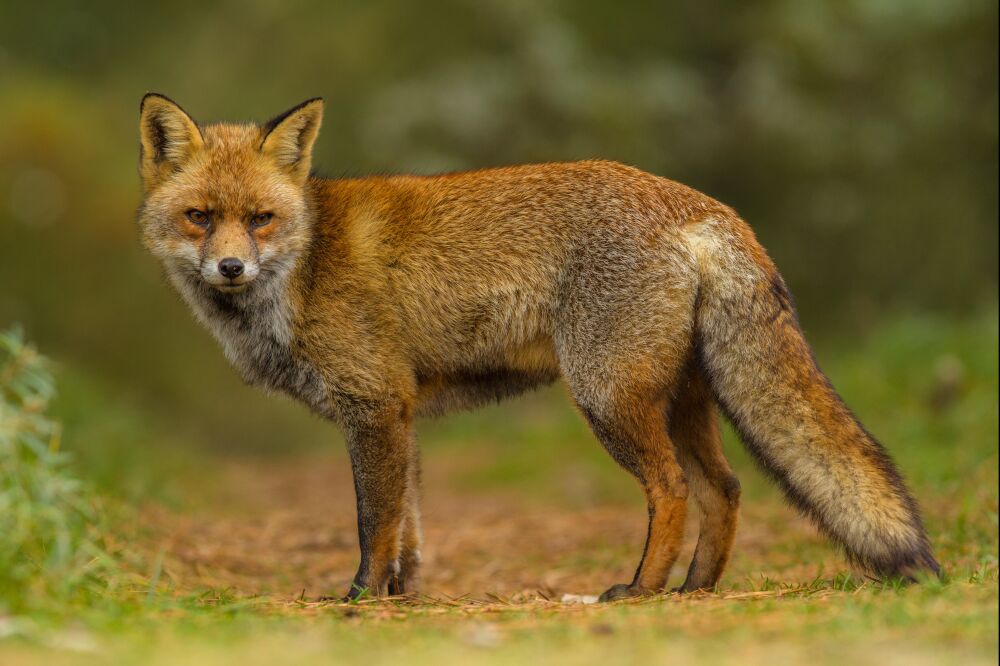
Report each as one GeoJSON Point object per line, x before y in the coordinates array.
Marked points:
{"type": "Point", "coordinates": [789, 416]}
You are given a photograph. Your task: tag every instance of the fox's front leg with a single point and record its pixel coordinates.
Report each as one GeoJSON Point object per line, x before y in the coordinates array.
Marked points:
{"type": "Point", "coordinates": [411, 538]}
{"type": "Point", "coordinates": [382, 450]}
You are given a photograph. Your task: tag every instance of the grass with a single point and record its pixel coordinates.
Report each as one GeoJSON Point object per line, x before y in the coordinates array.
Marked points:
{"type": "Point", "coordinates": [51, 548]}
{"type": "Point", "coordinates": [932, 623]}
{"type": "Point", "coordinates": [524, 506]}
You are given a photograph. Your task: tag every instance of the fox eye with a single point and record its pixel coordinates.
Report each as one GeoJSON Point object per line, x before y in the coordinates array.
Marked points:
{"type": "Point", "coordinates": [198, 217]}
{"type": "Point", "coordinates": [261, 219]}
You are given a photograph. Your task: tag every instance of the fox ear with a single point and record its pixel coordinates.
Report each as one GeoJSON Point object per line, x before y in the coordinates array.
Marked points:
{"type": "Point", "coordinates": [168, 135]}
{"type": "Point", "coordinates": [288, 138]}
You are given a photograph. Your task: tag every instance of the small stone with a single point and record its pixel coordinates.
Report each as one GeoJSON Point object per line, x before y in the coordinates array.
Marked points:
{"type": "Point", "coordinates": [579, 599]}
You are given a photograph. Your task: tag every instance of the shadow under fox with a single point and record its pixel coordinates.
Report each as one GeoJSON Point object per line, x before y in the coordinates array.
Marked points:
{"type": "Point", "coordinates": [375, 300]}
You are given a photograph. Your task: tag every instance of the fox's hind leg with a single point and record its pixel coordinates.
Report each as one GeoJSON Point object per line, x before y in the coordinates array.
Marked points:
{"type": "Point", "coordinates": [694, 429]}
{"type": "Point", "coordinates": [624, 334]}
{"type": "Point", "coordinates": [633, 432]}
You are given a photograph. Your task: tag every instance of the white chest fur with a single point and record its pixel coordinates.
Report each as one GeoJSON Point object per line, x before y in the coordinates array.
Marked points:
{"type": "Point", "coordinates": [254, 328]}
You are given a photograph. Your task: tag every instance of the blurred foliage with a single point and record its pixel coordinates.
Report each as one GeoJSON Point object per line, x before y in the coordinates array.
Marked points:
{"type": "Point", "coordinates": [858, 137]}
{"type": "Point", "coordinates": [51, 549]}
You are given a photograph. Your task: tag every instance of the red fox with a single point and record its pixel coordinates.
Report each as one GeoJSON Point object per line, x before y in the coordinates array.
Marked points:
{"type": "Point", "coordinates": [375, 300]}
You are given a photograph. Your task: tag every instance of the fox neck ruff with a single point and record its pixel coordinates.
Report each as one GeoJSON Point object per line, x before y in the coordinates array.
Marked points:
{"type": "Point", "coordinates": [255, 330]}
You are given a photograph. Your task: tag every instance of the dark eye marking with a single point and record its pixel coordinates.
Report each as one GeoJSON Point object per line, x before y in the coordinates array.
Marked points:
{"type": "Point", "coordinates": [198, 217]}
{"type": "Point", "coordinates": [261, 219]}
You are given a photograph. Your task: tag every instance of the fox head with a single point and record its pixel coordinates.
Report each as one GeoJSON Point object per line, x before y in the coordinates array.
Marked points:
{"type": "Point", "coordinates": [225, 204]}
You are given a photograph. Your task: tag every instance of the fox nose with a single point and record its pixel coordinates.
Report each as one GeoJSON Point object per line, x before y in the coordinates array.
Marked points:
{"type": "Point", "coordinates": [231, 267]}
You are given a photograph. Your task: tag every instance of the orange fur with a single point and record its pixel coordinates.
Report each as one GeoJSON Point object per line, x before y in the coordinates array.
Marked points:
{"type": "Point", "coordinates": [376, 299]}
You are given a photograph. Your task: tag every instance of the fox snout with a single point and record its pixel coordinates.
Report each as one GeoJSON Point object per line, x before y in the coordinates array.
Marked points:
{"type": "Point", "coordinates": [229, 273]}
{"type": "Point", "coordinates": [230, 258]}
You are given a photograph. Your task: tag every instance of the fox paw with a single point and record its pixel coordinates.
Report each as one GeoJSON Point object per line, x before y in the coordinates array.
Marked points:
{"type": "Point", "coordinates": [623, 591]}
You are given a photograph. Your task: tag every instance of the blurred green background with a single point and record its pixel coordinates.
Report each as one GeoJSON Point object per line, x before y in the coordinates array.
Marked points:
{"type": "Point", "coordinates": [859, 138]}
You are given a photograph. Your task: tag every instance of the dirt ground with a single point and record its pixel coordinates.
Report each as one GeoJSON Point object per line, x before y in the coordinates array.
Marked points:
{"type": "Point", "coordinates": [286, 530]}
